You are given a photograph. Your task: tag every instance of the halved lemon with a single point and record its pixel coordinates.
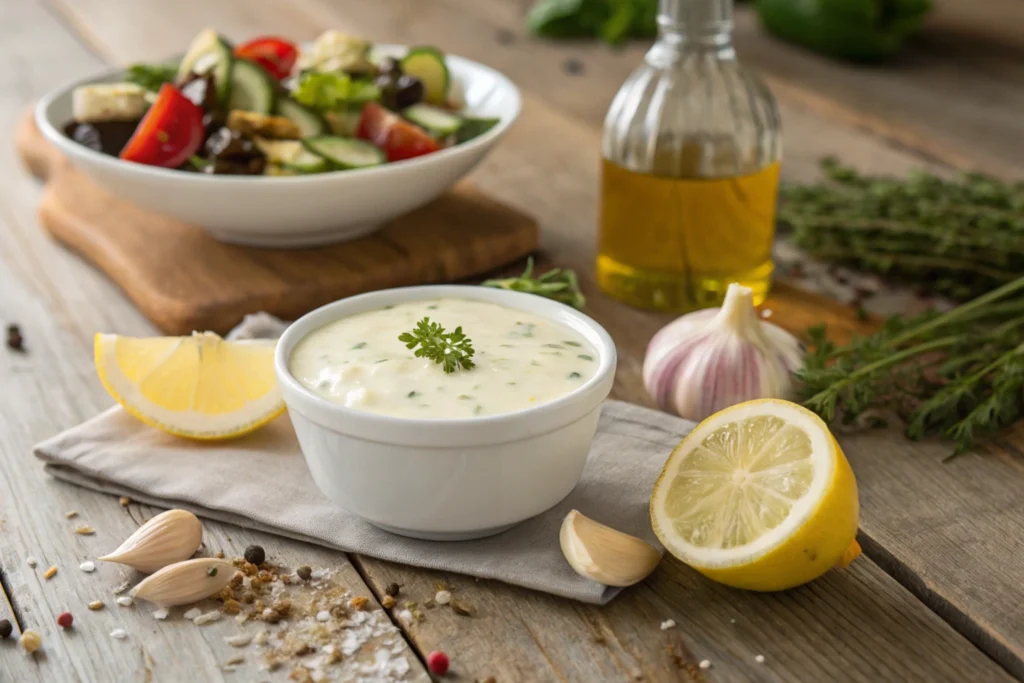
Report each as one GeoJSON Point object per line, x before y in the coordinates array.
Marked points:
{"type": "Point", "coordinates": [200, 387]}
{"type": "Point", "coordinates": [758, 496]}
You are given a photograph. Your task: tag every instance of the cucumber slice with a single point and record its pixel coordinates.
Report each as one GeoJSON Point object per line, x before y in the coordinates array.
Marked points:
{"type": "Point", "coordinates": [291, 155]}
{"type": "Point", "coordinates": [345, 152]}
{"type": "Point", "coordinates": [309, 122]}
{"type": "Point", "coordinates": [436, 121]}
{"type": "Point", "coordinates": [344, 122]}
{"type": "Point", "coordinates": [209, 53]}
{"type": "Point", "coordinates": [428, 65]}
{"type": "Point", "coordinates": [307, 162]}
{"type": "Point", "coordinates": [252, 88]}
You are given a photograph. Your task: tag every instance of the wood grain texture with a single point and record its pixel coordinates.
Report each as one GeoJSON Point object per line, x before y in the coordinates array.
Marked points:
{"type": "Point", "coordinates": [184, 280]}
{"type": "Point", "coordinates": [548, 167]}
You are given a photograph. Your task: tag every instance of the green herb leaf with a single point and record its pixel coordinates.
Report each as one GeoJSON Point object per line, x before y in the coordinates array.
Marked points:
{"type": "Point", "coordinates": [452, 350]}
{"type": "Point", "coordinates": [558, 284]}
{"type": "Point", "coordinates": [151, 76]}
{"type": "Point", "coordinates": [331, 91]}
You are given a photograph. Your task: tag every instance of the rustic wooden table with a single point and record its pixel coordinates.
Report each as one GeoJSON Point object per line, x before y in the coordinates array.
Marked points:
{"type": "Point", "coordinates": [938, 595]}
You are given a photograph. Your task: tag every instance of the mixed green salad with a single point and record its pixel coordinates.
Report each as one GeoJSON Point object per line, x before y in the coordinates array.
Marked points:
{"type": "Point", "coordinates": [268, 107]}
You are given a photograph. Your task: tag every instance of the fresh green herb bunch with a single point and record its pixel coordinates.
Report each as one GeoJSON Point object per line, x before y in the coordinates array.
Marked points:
{"type": "Point", "coordinates": [453, 350]}
{"type": "Point", "coordinates": [559, 284]}
{"type": "Point", "coordinates": [610, 20]}
{"type": "Point", "coordinates": [151, 76]}
{"type": "Point", "coordinates": [958, 374]}
{"type": "Point", "coordinates": [959, 238]}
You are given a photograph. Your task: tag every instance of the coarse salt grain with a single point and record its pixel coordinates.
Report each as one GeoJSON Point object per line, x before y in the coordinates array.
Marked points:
{"type": "Point", "coordinates": [192, 613]}
{"type": "Point", "coordinates": [323, 615]}
{"type": "Point", "coordinates": [31, 561]}
{"type": "Point", "coordinates": [241, 640]}
{"type": "Point", "coordinates": [705, 664]}
{"type": "Point", "coordinates": [759, 659]}
{"type": "Point", "coordinates": [206, 618]}
{"type": "Point", "coordinates": [119, 633]}
{"type": "Point", "coordinates": [160, 613]}
{"type": "Point", "coordinates": [667, 624]}
{"type": "Point", "coordinates": [125, 601]}
{"type": "Point", "coordinates": [443, 597]}
{"type": "Point", "coordinates": [405, 616]}
{"type": "Point", "coordinates": [318, 574]}
{"type": "Point", "coordinates": [88, 566]}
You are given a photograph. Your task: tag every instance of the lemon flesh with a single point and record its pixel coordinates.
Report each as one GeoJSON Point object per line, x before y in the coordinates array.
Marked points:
{"type": "Point", "coordinates": [758, 496]}
{"type": "Point", "coordinates": [200, 387]}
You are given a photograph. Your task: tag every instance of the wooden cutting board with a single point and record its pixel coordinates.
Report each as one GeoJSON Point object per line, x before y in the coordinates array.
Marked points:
{"type": "Point", "coordinates": [184, 280]}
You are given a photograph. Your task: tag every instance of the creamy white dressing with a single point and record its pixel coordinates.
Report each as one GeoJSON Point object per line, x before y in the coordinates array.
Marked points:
{"type": "Point", "coordinates": [522, 360]}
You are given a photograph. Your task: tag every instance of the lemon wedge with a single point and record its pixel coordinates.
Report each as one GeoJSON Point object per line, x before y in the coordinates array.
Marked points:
{"type": "Point", "coordinates": [200, 387]}
{"type": "Point", "coordinates": [758, 496]}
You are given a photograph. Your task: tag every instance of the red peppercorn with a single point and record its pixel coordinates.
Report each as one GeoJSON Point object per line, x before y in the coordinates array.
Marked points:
{"type": "Point", "coordinates": [64, 620]}
{"type": "Point", "coordinates": [437, 662]}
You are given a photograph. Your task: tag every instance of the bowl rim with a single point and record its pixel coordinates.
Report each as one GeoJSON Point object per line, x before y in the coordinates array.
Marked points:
{"type": "Point", "coordinates": [72, 148]}
{"type": "Point", "coordinates": [440, 432]}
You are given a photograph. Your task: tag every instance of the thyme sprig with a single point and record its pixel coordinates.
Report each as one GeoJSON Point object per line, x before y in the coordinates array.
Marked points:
{"type": "Point", "coordinates": [958, 374]}
{"type": "Point", "coordinates": [559, 284]}
{"type": "Point", "coordinates": [452, 350]}
{"type": "Point", "coordinates": [959, 238]}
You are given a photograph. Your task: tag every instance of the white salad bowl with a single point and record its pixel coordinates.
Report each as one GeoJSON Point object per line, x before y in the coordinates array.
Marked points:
{"type": "Point", "coordinates": [293, 211]}
{"type": "Point", "coordinates": [447, 479]}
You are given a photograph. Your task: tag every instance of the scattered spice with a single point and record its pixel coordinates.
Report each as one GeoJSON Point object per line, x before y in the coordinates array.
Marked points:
{"type": "Point", "coordinates": [254, 554]}
{"type": "Point", "coordinates": [161, 613]}
{"type": "Point", "coordinates": [119, 634]}
{"type": "Point", "coordinates": [241, 640]}
{"type": "Point", "coordinates": [462, 608]}
{"type": "Point", "coordinates": [359, 602]}
{"type": "Point", "coordinates": [232, 661]}
{"type": "Point", "coordinates": [5, 628]}
{"type": "Point", "coordinates": [95, 605]}
{"type": "Point", "coordinates": [759, 659]}
{"type": "Point", "coordinates": [667, 624]}
{"type": "Point", "coordinates": [437, 662]}
{"type": "Point", "coordinates": [705, 664]}
{"type": "Point", "coordinates": [206, 618]}
{"type": "Point", "coordinates": [31, 641]}
{"type": "Point", "coordinates": [392, 589]}
{"type": "Point", "coordinates": [71, 514]}
{"type": "Point", "coordinates": [88, 566]}
{"type": "Point", "coordinates": [15, 342]}
{"type": "Point", "coordinates": [443, 597]}
{"type": "Point", "coordinates": [232, 606]}
{"type": "Point", "coordinates": [49, 573]}
{"type": "Point", "coordinates": [125, 601]}
{"type": "Point", "coordinates": [573, 66]}
{"type": "Point", "coordinates": [125, 501]}
{"type": "Point", "coordinates": [304, 572]}
{"type": "Point", "coordinates": [387, 602]}
{"type": "Point", "coordinates": [64, 619]}
{"type": "Point", "coordinates": [31, 561]}
{"type": "Point", "coordinates": [85, 530]}
{"type": "Point", "coordinates": [212, 571]}
{"type": "Point", "coordinates": [192, 613]}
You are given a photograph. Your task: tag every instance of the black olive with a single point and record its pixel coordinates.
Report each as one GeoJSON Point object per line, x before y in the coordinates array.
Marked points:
{"type": "Point", "coordinates": [390, 65]}
{"type": "Point", "coordinates": [108, 137]}
{"type": "Point", "coordinates": [408, 91]}
{"type": "Point", "coordinates": [201, 91]}
{"type": "Point", "coordinates": [225, 143]}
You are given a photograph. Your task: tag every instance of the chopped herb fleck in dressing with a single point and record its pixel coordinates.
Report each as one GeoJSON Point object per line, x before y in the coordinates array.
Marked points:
{"type": "Point", "coordinates": [520, 361]}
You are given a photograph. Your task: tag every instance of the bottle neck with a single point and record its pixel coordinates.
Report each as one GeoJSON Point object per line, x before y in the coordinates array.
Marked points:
{"type": "Point", "coordinates": [696, 23]}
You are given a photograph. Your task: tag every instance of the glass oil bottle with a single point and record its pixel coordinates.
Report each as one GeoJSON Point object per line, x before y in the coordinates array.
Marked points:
{"type": "Point", "coordinates": [690, 174]}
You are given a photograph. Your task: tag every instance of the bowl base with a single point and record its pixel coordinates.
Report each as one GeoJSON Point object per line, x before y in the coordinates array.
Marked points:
{"type": "Point", "coordinates": [296, 240]}
{"type": "Point", "coordinates": [444, 536]}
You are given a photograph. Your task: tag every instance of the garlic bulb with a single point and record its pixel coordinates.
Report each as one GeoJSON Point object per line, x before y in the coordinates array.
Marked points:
{"type": "Point", "coordinates": [602, 554]}
{"type": "Point", "coordinates": [169, 537]}
{"type": "Point", "coordinates": [185, 582]}
{"type": "Point", "coordinates": [709, 360]}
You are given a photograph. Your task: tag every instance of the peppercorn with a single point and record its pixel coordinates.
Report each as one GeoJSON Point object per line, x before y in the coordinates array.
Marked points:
{"type": "Point", "coordinates": [392, 589]}
{"type": "Point", "coordinates": [15, 342]}
{"type": "Point", "coordinates": [255, 554]}
{"type": "Point", "coordinates": [64, 619]}
{"type": "Point", "coordinates": [6, 629]}
{"type": "Point", "coordinates": [437, 662]}
{"type": "Point", "coordinates": [304, 572]}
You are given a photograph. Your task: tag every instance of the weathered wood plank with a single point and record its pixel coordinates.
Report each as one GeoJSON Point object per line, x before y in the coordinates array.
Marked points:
{"type": "Point", "coordinates": [59, 302]}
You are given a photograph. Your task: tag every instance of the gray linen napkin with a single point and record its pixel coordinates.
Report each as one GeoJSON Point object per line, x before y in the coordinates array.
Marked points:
{"type": "Point", "coordinates": [260, 481]}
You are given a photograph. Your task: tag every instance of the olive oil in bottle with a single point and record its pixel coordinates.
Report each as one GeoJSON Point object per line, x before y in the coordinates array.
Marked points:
{"type": "Point", "coordinates": [691, 169]}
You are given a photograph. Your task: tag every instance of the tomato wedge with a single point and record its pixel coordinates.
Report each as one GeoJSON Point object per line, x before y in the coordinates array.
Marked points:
{"type": "Point", "coordinates": [397, 137]}
{"type": "Point", "coordinates": [276, 55]}
{"type": "Point", "coordinates": [169, 133]}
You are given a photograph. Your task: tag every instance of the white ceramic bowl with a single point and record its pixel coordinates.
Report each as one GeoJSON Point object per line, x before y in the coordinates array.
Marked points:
{"type": "Point", "coordinates": [449, 479]}
{"type": "Point", "coordinates": [298, 211]}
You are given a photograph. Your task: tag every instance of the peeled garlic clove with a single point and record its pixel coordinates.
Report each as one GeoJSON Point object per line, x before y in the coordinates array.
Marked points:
{"type": "Point", "coordinates": [601, 553]}
{"type": "Point", "coordinates": [709, 360]}
{"type": "Point", "coordinates": [169, 537]}
{"type": "Point", "coordinates": [185, 582]}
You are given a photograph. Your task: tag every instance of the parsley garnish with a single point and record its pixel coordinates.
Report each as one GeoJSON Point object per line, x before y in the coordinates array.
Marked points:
{"type": "Point", "coordinates": [453, 350]}
{"type": "Point", "coordinates": [559, 284]}
{"type": "Point", "coordinates": [151, 76]}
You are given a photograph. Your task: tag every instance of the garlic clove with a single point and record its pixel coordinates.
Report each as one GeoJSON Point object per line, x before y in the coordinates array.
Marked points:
{"type": "Point", "coordinates": [169, 537]}
{"type": "Point", "coordinates": [185, 582]}
{"type": "Point", "coordinates": [603, 554]}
